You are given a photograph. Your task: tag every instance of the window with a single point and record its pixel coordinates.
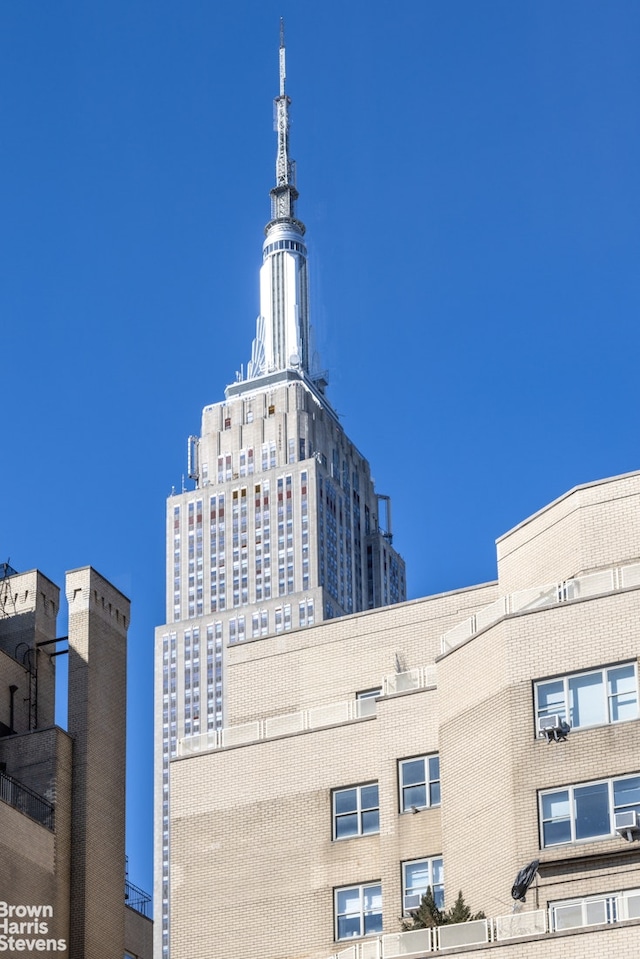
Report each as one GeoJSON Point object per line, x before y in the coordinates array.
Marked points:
{"type": "Point", "coordinates": [419, 783]}
{"type": "Point", "coordinates": [358, 911]}
{"type": "Point", "coordinates": [591, 699]}
{"type": "Point", "coordinates": [355, 811]}
{"type": "Point", "coordinates": [416, 876]}
{"type": "Point", "coordinates": [367, 701]}
{"type": "Point", "coordinates": [586, 812]}
{"type": "Point", "coordinates": [606, 908]}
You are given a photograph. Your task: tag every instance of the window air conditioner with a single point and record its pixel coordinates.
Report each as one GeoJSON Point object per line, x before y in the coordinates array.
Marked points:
{"type": "Point", "coordinates": [553, 727]}
{"type": "Point", "coordinates": [627, 823]}
{"type": "Point", "coordinates": [412, 902]}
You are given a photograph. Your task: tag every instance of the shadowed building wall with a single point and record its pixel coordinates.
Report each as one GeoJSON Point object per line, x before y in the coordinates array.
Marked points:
{"type": "Point", "coordinates": [62, 793]}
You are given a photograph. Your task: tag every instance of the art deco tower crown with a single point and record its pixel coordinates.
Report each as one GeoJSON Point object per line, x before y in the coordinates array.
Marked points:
{"type": "Point", "coordinates": [283, 330]}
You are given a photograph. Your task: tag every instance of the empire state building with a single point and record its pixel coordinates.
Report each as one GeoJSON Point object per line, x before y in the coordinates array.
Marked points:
{"type": "Point", "coordinates": [283, 528]}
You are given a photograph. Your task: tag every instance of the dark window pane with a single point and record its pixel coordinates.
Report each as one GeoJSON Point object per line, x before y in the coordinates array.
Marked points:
{"type": "Point", "coordinates": [371, 821]}
{"type": "Point", "coordinates": [413, 772]}
{"type": "Point", "coordinates": [592, 811]}
{"type": "Point", "coordinates": [369, 797]}
{"type": "Point", "coordinates": [346, 801]}
{"type": "Point", "coordinates": [373, 923]}
{"type": "Point", "coordinates": [556, 832]}
{"type": "Point", "coordinates": [348, 926]}
{"type": "Point", "coordinates": [346, 826]}
{"type": "Point", "coordinates": [626, 792]}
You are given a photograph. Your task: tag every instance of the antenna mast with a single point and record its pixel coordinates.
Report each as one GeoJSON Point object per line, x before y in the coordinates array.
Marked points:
{"type": "Point", "coordinates": [284, 193]}
{"type": "Point", "coordinates": [283, 68]}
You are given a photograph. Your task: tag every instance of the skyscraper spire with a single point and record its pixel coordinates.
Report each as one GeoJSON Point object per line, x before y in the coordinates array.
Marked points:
{"type": "Point", "coordinates": [283, 330]}
{"type": "Point", "coordinates": [284, 193]}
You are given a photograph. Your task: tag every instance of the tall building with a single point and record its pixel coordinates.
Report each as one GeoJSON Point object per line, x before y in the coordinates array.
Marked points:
{"type": "Point", "coordinates": [283, 528]}
{"type": "Point", "coordinates": [62, 792]}
{"type": "Point", "coordinates": [450, 742]}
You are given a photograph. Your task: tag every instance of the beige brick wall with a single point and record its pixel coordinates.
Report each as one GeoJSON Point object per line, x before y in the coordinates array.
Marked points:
{"type": "Point", "coordinates": [492, 764]}
{"type": "Point", "coordinates": [13, 673]}
{"type": "Point", "coordinates": [28, 858]}
{"type": "Point", "coordinates": [612, 942]}
{"type": "Point", "coordinates": [272, 843]}
{"type": "Point", "coordinates": [29, 605]}
{"type": "Point", "coordinates": [592, 526]}
{"type": "Point", "coordinates": [42, 761]}
{"type": "Point", "coordinates": [262, 813]}
{"type": "Point", "coordinates": [138, 934]}
{"type": "Point", "coordinates": [98, 621]}
{"type": "Point", "coordinates": [36, 860]}
{"type": "Point", "coordinates": [77, 869]}
{"type": "Point", "coordinates": [265, 853]}
{"type": "Point", "coordinates": [335, 660]}
{"type": "Point", "coordinates": [253, 865]}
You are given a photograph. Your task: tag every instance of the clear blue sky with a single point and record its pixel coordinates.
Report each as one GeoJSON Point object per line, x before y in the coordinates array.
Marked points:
{"type": "Point", "coordinates": [469, 177]}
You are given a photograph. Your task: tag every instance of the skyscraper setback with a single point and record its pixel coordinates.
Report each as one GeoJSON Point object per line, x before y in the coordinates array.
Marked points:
{"type": "Point", "coordinates": [283, 528]}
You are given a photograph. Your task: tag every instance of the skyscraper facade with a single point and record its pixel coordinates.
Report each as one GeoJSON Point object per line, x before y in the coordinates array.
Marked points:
{"type": "Point", "coordinates": [282, 529]}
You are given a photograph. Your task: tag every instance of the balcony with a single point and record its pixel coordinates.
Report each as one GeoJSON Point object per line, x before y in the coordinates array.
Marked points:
{"type": "Point", "coordinates": [137, 899]}
{"type": "Point", "coordinates": [542, 597]}
{"type": "Point", "coordinates": [26, 801]}
{"type": "Point", "coordinates": [591, 912]}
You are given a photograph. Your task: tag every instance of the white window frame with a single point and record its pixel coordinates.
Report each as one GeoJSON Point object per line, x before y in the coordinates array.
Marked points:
{"type": "Point", "coordinates": [437, 888]}
{"type": "Point", "coordinates": [359, 811]}
{"type": "Point", "coordinates": [563, 708]}
{"type": "Point", "coordinates": [583, 911]}
{"type": "Point", "coordinates": [431, 783]}
{"type": "Point", "coordinates": [567, 794]}
{"type": "Point", "coordinates": [370, 888]}
{"type": "Point", "coordinates": [366, 701]}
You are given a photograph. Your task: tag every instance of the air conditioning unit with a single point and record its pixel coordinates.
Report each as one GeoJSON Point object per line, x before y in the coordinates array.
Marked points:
{"type": "Point", "coordinates": [553, 727]}
{"type": "Point", "coordinates": [627, 823]}
{"type": "Point", "coordinates": [412, 902]}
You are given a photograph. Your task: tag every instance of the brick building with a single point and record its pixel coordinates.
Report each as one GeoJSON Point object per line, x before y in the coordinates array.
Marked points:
{"type": "Point", "coordinates": [62, 792]}
{"type": "Point", "coordinates": [447, 741]}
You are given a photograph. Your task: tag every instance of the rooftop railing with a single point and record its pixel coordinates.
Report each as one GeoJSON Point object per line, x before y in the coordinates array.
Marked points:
{"type": "Point", "coordinates": [613, 909]}
{"type": "Point", "coordinates": [26, 800]}
{"type": "Point", "coordinates": [541, 597]}
{"type": "Point", "coordinates": [137, 899]}
{"type": "Point", "coordinates": [422, 677]}
{"type": "Point", "coordinates": [306, 720]}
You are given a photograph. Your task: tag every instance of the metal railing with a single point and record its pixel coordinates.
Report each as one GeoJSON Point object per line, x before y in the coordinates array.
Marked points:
{"type": "Point", "coordinates": [615, 908]}
{"type": "Point", "coordinates": [137, 899]}
{"type": "Point", "coordinates": [26, 800]}
{"type": "Point", "coordinates": [305, 720]}
{"type": "Point", "coordinates": [541, 597]}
